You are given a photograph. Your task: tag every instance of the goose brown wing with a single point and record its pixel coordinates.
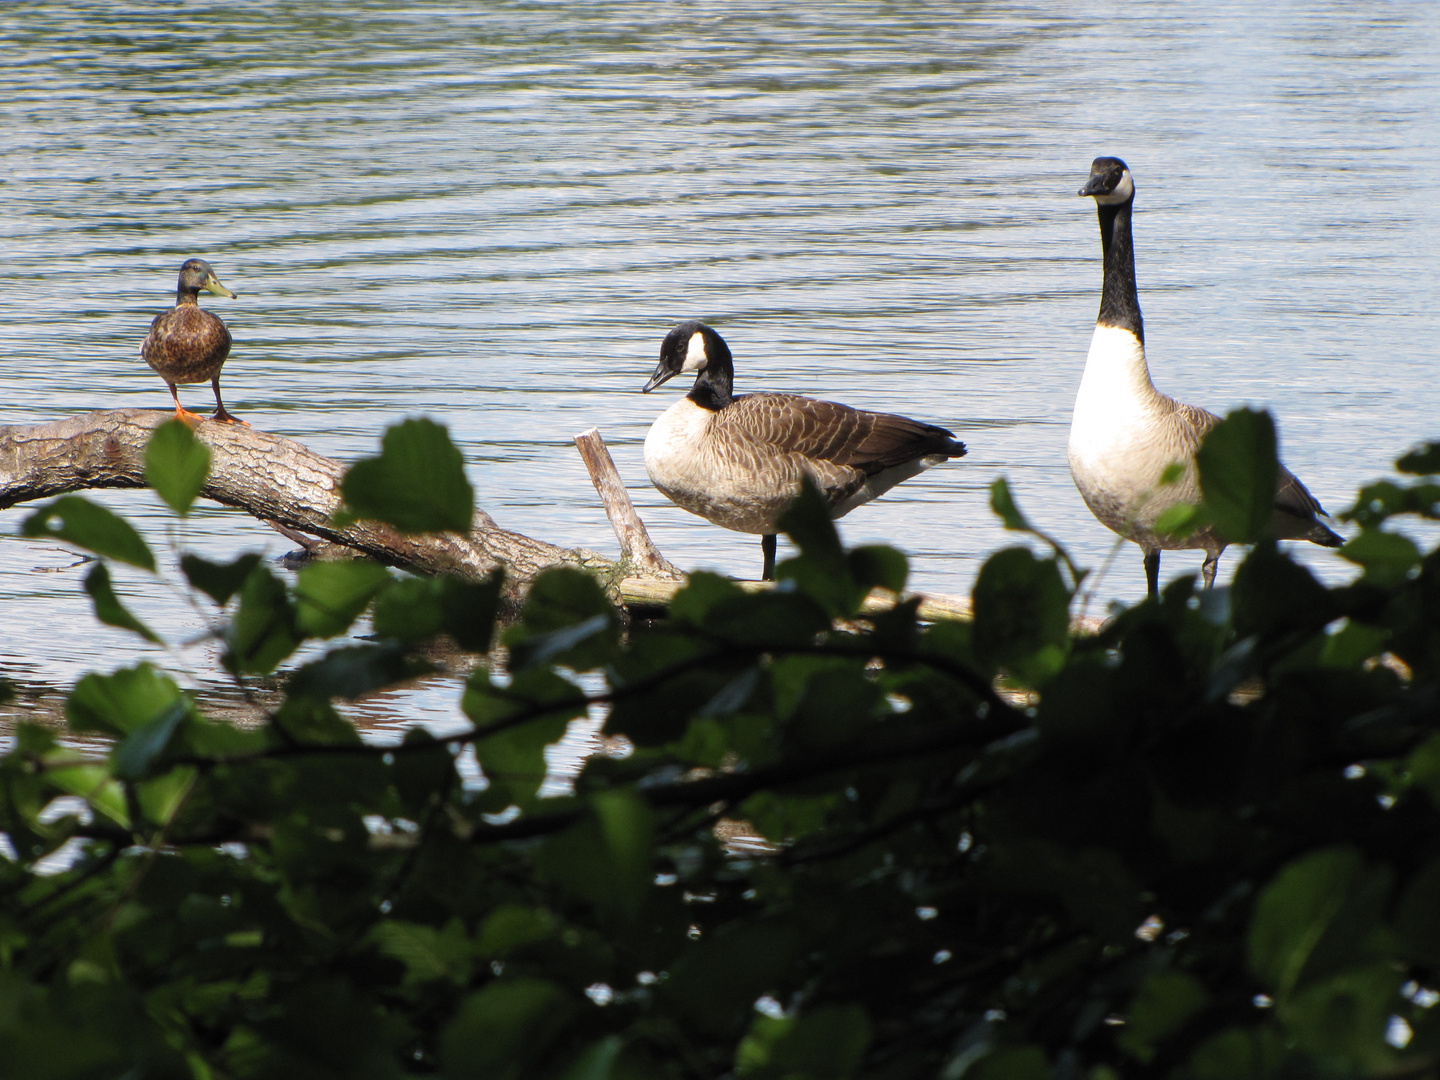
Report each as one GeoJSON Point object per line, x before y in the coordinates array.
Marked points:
{"type": "Point", "coordinates": [825, 431]}
{"type": "Point", "coordinates": [1292, 498]}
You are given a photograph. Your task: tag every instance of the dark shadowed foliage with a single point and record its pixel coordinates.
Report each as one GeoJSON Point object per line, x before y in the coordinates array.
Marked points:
{"type": "Point", "coordinates": [1201, 843]}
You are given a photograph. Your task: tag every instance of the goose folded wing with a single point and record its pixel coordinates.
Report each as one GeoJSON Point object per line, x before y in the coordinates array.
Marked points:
{"type": "Point", "coordinates": [826, 431]}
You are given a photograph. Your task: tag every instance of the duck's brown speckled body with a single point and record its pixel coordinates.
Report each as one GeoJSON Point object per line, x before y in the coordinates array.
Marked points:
{"type": "Point", "coordinates": [188, 344]}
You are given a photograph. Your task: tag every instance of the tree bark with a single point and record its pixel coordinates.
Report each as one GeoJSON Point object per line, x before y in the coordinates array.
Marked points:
{"type": "Point", "coordinates": [636, 548]}
{"type": "Point", "coordinates": [288, 486]}
{"type": "Point", "coordinates": [277, 480]}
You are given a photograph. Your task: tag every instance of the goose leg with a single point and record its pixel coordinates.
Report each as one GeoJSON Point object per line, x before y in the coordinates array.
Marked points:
{"type": "Point", "coordinates": [767, 545]}
{"type": "Point", "coordinates": [220, 413]}
{"type": "Point", "coordinates": [184, 415]}
{"type": "Point", "coordinates": [1208, 568]}
{"type": "Point", "coordinates": [1152, 573]}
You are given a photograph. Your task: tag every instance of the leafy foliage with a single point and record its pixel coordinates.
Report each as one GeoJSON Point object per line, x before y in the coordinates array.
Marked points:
{"type": "Point", "coordinates": [177, 465]}
{"type": "Point", "coordinates": [416, 484]}
{"type": "Point", "coordinates": [1238, 475]}
{"type": "Point", "coordinates": [1203, 843]}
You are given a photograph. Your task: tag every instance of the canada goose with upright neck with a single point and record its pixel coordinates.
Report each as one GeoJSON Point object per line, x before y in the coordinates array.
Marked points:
{"type": "Point", "coordinates": [738, 461]}
{"type": "Point", "coordinates": [1124, 433]}
{"type": "Point", "coordinates": [188, 344]}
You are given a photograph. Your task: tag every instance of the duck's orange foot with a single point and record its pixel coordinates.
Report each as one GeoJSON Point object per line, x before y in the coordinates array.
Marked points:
{"type": "Point", "coordinates": [227, 418]}
{"type": "Point", "coordinates": [188, 418]}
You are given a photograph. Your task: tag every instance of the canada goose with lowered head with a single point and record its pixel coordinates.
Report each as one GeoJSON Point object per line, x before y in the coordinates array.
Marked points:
{"type": "Point", "coordinates": [738, 461]}
{"type": "Point", "coordinates": [188, 344]}
{"type": "Point", "coordinates": [1124, 433]}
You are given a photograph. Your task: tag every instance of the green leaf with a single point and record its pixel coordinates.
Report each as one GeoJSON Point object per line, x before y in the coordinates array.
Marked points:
{"type": "Point", "coordinates": [263, 632]}
{"type": "Point", "coordinates": [1417, 916]}
{"type": "Point", "coordinates": [727, 970]}
{"type": "Point", "coordinates": [176, 465]}
{"type": "Point", "coordinates": [427, 953]}
{"type": "Point", "coordinates": [219, 581]}
{"type": "Point", "coordinates": [1165, 1001]}
{"type": "Point", "coordinates": [134, 757]}
{"type": "Point", "coordinates": [1022, 614]}
{"type": "Point", "coordinates": [88, 525]}
{"type": "Point", "coordinates": [512, 927]}
{"type": "Point", "coordinates": [352, 671]}
{"type": "Point", "coordinates": [423, 776]}
{"type": "Point", "coordinates": [1344, 1018]}
{"type": "Point", "coordinates": [95, 784]}
{"type": "Point", "coordinates": [1179, 520]}
{"type": "Point", "coordinates": [1353, 644]}
{"type": "Point", "coordinates": [1273, 592]}
{"type": "Point", "coordinates": [837, 580]}
{"type": "Point", "coordinates": [702, 593]}
{"type": "Point", "coordinates": [605, 858]}
{"type": "Point", "coordinates": [1239, 1053]}
{"type": "Point", "coordinates": [1012, 1063]}
{"type": "Point", "coordinates": [1239, 475]}
{"type": "Point", "coordinates": [414, 609]}
{"type": "Point", "coordinates": [329, 596]}
{"type": "Point", "coordinates": [161, 797]}
{"type": "Point", "coordinates": [109, 609]}
{"type": "Point", "coordinates": [1378, 502]}
{"type": "Point", "coordinates": [1424, 460]}
{"type": "Point", "coordinates": [568, 620]}
{"type": "Point", "coordinates": [1387, 557]}
{"type": "Point", "coordinates": [500, 1031]}
{"type": "Point", "coordinates": [826, 1041]}
{"type": "Point", "coordinates": [808, 523]}
{"type": "Point", "coordinates": [1319, 913]}
{"type": "Point", "coordinates": [597, 1061]}
{"type": "Point", "coordinates": [627, 829]}
{"type": "Point", "coordinates": [122, 702]}
{"type": "Point", "coordinates": [521, 719]}
{"type": "Point", "coordinates": [417, 484]}
{"type": "Point", "coordinates": [878, 567]}
{"type": "Point", "coordinates": [1002, 502]}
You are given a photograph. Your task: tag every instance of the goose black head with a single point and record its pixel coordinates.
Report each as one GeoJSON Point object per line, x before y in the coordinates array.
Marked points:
{"type": "Point", "coordinates": [1109, 182]}
{"type": "Point", "coordinates": [692, 348]}
{"type": "Point", "coordinates": [196, 274]}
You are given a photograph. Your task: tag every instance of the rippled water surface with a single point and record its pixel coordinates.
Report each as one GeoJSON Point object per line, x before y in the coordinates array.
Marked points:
{"type": "Point", "coordinates": [491, 213]}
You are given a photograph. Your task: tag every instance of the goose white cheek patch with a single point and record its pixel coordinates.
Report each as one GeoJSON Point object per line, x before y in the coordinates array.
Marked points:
{"type": "Point", "coordinates": [695, 358]}
{"type": "Point", "coordinates": [1122, 192]}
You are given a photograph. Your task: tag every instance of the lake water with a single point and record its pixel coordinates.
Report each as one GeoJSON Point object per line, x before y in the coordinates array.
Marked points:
{"type": "Point", "coordinates": [490, 213]}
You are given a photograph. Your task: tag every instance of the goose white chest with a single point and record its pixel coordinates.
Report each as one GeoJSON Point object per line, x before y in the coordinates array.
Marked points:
{"type": "Point", "coordinates": [1122, 436]}
{"type": "Point", "coordinates": [718, 479]}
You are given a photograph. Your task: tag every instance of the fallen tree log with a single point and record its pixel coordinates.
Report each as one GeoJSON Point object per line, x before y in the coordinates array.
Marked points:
{"type": "Point", "coordinates": [297, 491]}
{"type": "Point", "coordinates": [275, 479]}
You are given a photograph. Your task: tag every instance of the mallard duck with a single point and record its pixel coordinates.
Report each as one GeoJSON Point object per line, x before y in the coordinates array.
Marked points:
{"type": "Point", "coordinates": [738, 460]}
{"type": "Point", "coordinates": [1124, 433]}
{"type": "Point", "coordinates": [187, 344]}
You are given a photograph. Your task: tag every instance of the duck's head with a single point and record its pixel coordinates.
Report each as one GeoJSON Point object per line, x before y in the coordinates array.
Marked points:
{"type": "Point", "coordinates": [1110, 183]}
{"type": "Point", "coordinates": [196, 274]}
{"type": "Point", "coordinates": [689, 349]}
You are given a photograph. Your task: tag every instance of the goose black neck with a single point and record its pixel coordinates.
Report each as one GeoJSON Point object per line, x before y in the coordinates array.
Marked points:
{"type": "Point", "coordinates": [1119, 300]}
{"type": "Point", "coordinates": [712, 389]}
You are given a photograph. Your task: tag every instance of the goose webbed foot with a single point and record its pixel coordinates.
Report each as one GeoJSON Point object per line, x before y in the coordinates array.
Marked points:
{"type": "Point", "coordinates": [767, 545]}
